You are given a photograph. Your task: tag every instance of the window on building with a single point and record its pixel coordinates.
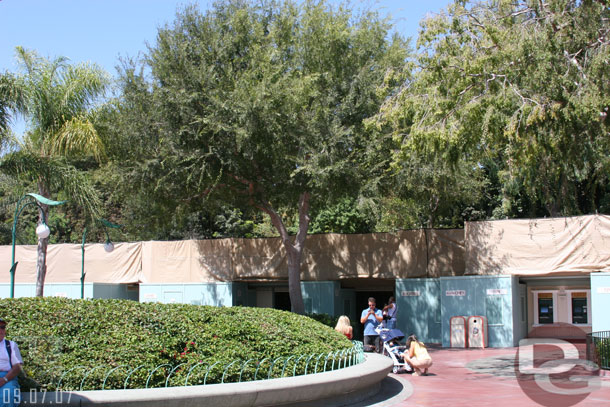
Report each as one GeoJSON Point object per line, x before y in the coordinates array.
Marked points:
{"type": "Point", "coordinates": [579, 308]}
{"type": "Point", "coordinates": [545, 308]}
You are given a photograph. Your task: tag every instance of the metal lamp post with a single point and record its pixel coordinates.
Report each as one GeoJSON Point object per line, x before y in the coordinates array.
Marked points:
{"type": "Point", "coordinates": [42, 230]}
{"type": "Point", "coordinates": [108, 247]}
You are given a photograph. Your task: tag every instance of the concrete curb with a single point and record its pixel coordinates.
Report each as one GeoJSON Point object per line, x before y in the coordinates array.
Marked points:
{"type": "Point", "coordinates": [336, 388]}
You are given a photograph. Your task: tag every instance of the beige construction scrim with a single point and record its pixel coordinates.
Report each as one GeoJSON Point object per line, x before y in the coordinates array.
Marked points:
{"type": "Point", "coordinates": [522, 247]}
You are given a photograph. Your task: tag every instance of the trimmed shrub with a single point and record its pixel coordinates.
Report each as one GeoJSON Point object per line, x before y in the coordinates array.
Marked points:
{"type": "Point", "coordinates": [79, 342]}
{"type": "Point", "coordinates": [328, 320]}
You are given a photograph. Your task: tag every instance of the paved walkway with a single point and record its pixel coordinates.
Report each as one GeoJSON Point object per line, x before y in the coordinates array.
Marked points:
{"type": "Point", "coordinates": [488, 377]}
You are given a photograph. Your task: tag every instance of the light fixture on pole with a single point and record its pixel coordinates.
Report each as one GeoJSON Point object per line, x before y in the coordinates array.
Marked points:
{"type": "Point", "coordinates": [108, 247]}
{"type": "Point", "coordinates": [42, 230]}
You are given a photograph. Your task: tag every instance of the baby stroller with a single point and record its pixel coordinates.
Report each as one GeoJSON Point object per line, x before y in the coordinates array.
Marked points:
{"type": "Point", "coordinates": [392, 348]}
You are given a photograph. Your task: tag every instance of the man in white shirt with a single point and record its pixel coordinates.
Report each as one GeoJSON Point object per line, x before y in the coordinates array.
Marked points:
{"type": "Point", "coordinates": [9, 369]}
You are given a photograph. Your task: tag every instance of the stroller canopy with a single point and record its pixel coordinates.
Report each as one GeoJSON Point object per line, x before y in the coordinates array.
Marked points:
{"type": "Point", "coordinates": [389, 334]}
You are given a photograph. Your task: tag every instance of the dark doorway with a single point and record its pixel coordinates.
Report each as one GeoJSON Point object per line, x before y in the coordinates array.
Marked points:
{"type": "Point", "coordinates": [362, 298]}
{"type": "Point", "coordinates": [281, 300]}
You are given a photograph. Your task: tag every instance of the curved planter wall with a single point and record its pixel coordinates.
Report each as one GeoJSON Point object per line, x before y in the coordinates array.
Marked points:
{"type": "Point", "coordinates": [339, 387]}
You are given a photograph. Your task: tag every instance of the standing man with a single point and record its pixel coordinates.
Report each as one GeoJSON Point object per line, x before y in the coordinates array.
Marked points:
{"type": "Point", "coordinates": [10, 366]}
{"type": "Point", "coordinates": [371, 317]}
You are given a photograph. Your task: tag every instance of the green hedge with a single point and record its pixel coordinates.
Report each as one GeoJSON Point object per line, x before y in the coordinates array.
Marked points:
{"type": "Point", "coordinates": [70, 338]}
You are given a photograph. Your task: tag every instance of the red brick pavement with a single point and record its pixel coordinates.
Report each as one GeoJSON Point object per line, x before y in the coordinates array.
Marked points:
{"type": "Point", "coordinates": [487, 377]}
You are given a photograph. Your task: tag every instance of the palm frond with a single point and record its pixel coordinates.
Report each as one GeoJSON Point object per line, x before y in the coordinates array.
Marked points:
{"type": "Point", "coordinates": [58, 175]}
{"type": "Point", "coordinates": [12, 100]}
{"type": "Point", "coordinates": [76, 137]}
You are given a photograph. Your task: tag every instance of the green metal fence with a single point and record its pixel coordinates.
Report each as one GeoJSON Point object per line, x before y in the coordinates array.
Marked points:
{"type": "Point", "coordinates": [598, 348]}
{"type": "Point", "coordinates": [103, 377]}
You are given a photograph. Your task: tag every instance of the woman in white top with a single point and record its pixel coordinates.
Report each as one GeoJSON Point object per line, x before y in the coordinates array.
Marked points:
{"type": "Point", "coordinates": [9, 369]}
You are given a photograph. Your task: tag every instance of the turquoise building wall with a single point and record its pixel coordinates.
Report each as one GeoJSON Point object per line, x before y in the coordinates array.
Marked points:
{"type": "Point", "coordinates": [600, 301]}
{"type": "Point", "coordinates": [488, 296]}
{"type": "Point", "coordinates": [320, 297]}
{"type": "Point", "coordinates": [519, 307]}
{"type": "Point", "coordinates": [419, 308]}
{"type": "Point", "coordinates": [73, 290]}
{"type": "Point", "coordinates": [216, 294]}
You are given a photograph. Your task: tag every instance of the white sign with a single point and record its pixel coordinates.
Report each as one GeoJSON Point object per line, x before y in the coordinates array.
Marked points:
{"type": "Point", "coordinates": [409, 293]}
{"type": "Point", "coordinates": [150, 296]}
{"type": "Point", "coordinates": [603, 290]}
{"type": "Point", "coordinates": [497, 291]}
{"type": "Point", "coordinates": [455, 293]}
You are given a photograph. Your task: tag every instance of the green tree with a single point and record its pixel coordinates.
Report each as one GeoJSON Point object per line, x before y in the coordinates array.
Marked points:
{"type": "Point", "coordinates": [518, 90]}
{"type": "Point", "coordinates": [11, 99]}
{"type": "Point", "coordinates": [261, 104]}
{"type": "Point", "coordinates": [345, 216]}
{"type": "Point", "coordinates": [56, 101]}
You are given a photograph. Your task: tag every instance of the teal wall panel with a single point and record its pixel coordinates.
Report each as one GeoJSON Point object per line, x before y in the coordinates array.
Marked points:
{"type": "Point", "coordinates": [240, 294]}
{"type": "Point", "coordinates": [217, 294]}
{"type": "Point", "coordinates": [488, 296]}
{"type": "Point", "coordinates": [346, 305]}
{"type": "Point", "coordinates": [67, 290]}
{"type": "Point", "coordinates": [116, 291]}
{"type": "Point", "coordinates": [519, 299]}
{"type": "Point", "coordinates": [320, 297]}
{"type": "Point", "coordinates": [21, 290]}
{"type": "Point", "coordinates": [419, 308]}
{"type": "Point", "coordinates": [72, 290]}
{"type": "Point", "coordinates": [600, 301]}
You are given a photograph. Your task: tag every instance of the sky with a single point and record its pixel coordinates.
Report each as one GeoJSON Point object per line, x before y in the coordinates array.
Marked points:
{"type": "Point", "coordinates": [102, 31]}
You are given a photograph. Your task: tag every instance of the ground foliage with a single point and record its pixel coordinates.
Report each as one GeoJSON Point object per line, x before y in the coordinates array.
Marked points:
{"type": "Point", "coordinates": [56, 335]}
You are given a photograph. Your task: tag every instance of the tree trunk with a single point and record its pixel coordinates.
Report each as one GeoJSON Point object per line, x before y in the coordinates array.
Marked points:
{"type": "Point", "coordinates": [294, 250]}
{"type": "Point", "coordinates": [41, 264]}
{"type": "Point", "coordinates": [294, 279]}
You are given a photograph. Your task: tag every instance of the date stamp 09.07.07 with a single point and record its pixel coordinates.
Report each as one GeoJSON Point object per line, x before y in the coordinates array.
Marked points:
{"type": "Point", "coordinates": [38, 398]}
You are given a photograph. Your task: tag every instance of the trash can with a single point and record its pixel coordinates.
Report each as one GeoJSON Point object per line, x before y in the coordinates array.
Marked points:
{"type": "Point", "coordinates": [458, 332]}
{"type": "Point", "coordinates": [477, 332]}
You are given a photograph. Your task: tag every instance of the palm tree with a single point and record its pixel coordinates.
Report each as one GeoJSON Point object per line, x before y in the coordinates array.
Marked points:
{"type": "Point", "coordinates": [56, 99]}
{"type": "Point", "coordinates": [11, 99]}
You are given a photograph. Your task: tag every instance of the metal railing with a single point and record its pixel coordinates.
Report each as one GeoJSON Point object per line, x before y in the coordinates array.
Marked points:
{"type": "Point", "coordinates": [103, 377]}
{"type": "Point", "coordinates": [598, 348]}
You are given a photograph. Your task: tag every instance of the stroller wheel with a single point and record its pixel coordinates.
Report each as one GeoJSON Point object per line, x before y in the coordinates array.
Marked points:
{"type": "Point", "coordinates": [395, 370]}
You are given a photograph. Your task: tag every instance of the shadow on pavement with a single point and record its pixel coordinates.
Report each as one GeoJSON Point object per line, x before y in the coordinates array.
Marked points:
{"type": "Point", "coordinates": [393, 389]}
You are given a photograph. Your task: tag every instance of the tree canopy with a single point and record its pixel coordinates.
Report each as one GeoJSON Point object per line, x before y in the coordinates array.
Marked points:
{"type": "Point", "coordinates": [261, 104]}
{"type": "Point", "coordinates": [516, 92]}
{"type": "Point", "coordinates": [286, 118]}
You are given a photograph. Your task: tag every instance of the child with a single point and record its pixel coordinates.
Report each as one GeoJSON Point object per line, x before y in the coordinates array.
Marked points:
{"type": "Point", "coordinates": [395, 348]}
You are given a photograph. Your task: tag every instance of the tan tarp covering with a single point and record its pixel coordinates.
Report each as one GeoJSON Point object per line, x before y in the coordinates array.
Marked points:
{"type": "Point", "coordinates": [383, 255]}
{"type": "Point", "coordinates": [521, 247]}
{"type": "Point", "coordinates": [446, 253]}
{"type": "Point", "coordinates": [64, 261]}
{"type": "Point", "coordinates": [187, 261]}
{"type": "Point", "coordinates": [538, 246]}
{"type": "Point", "coordinates": [418, 253]}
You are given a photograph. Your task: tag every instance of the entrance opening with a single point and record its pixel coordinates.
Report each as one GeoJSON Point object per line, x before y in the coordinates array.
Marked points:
{"type": "Point", "coordinates": [362, 298]}
{"type": "Point", "coordinates": [281, 300]}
